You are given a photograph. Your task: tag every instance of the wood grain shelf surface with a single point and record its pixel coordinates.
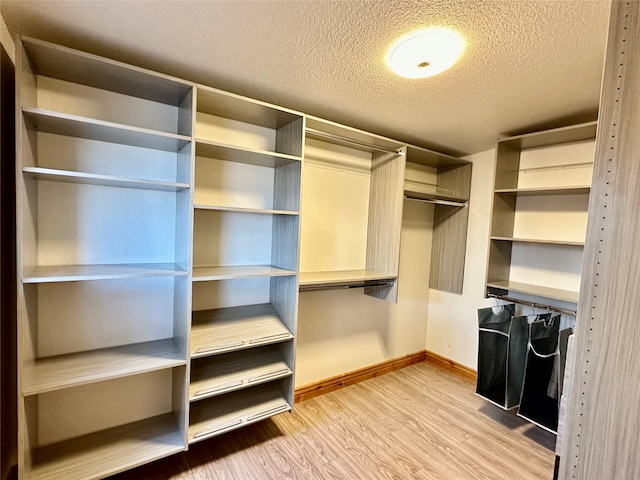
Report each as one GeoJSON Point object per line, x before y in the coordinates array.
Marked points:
{"type": "Point", "coordinates": [537, 290]}
{"type": "Point", "coordinates": [232, 153]}
{"type": "Point", "coordinates": [205, 274]}
{"type": "Point", "coordinates": [69, 176]}
{"type": "Point", "coordinates": [435, 196]}
{"type": "Point", "coordinates": [234, 371]}
{"type": "Point", "coordinates": [75, 273]}
{"type": "Point", "coordinates": [221, 414]}
{"type": "Point", "coordinates": [568, 243]}
{"type": "Point", "coordinates": [260, 211]}
{"type": "Point", "coordinates": [62, 371]}
{"type": "Point", "coordinates": [236, 328]}
{"type": "Point", "coordinates": [90, 128]}
{"type": "Point", "coordinates": [555, 136]}
{"type": "Point", "coordinates": [64, 63]}
{"type": "Point", "coordinates": [574, 190]}
{"type": "Point", "coordinates": [342, 277]}
{"type": "Point", "coordinates": [108, 451]}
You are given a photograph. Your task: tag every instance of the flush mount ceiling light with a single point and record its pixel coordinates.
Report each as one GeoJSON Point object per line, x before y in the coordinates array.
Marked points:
{"type": "Point", "coordinates": [425, 53]}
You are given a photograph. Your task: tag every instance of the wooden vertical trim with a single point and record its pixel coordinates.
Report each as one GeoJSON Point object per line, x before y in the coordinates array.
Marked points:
{"type": "Point", "coordinates": [290, 138]}
{"type": "Point", "coordinates": [448, 248]}
{"type": "Point", "coordinates": [507, 165]}
{"type": "Point", "coordinates": [386, 198]}
{"type": "Point", "coordinates": [601, 437]}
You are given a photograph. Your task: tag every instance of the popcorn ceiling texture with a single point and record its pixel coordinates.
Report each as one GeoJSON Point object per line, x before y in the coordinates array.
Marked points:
{"type": "Point", "coordinates": [528, 64]}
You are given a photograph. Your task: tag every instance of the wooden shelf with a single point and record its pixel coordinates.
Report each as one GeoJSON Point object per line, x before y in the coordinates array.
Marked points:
{"type": "Point", "coordinates": [343, 277]}
{"type": "Point", "coordinates": [107, 452]}
{"type": "Point", "coordinates": [537, 290]}
{"type": "Point", "coordinates": [75, 273]}
{"type": "Point", "coordinates": [68, 176]}
{"type": "Point", "coordinates": [234, 371]}
{"type": "Point", "coordinates": [205, 274]}
{"type": "Point", "coordinates": [430, 158]}
{"type": "Point", "coordinates": [435, 197]}
{"type": "Point", "coordinates": [231, 153]}
{"type": "Point", "coordinates": [83, 68]}
{"type": "Point", "coordinates": [236, 328]}
{"type": "Point", "coordinates": [89, 128]}
{"type": "Point", "coordinates": [538, 241]}
{"type": "Point", "coordinates": [555, 136]}
{"type": "Point", "coordinates": [227, 412]}
{"type": "Point", "coordinates": [259, 211]}
{"type": "Point", "coordinates": [576, 190]}
{"type": "Point", "coordinates": [62, 371]}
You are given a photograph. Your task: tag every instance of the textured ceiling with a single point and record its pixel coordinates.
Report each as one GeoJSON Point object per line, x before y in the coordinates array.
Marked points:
{"type": "Point", "coordinates": [527, 64]}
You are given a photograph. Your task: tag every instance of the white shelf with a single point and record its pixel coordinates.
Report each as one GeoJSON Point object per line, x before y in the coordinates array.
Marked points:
{"type": "Point", "coordinates": [236, 328]}
{"type": "Point", "coordinates": [68, 176]}
{"type": "Point", "coordinates": [537, 290]}
{"type": "Point", "coordinates": [260, 211]}
{"type": "Point", "coordinates": [343, 277]}
{"type": "Point", "coordinates": [75, 273]}
{"type": "Point", "coordinates": [538, 241]}
{"type": "Point", "coordinates": [234, 371]}
{"type": "Point", "coordinates": [90, 128]}
{"type": "Point", "coordinates": [232, 153]}
{"type": "Point", "coordinates": [221, 414]}
{"type": "Point", "coordinates": [205, 274]}
{"type": "Point", "coordinates": [574, 190]}
{"type": "Point", "coordinates": [107, 452]}
{"type": "Point", "coordinates": [62, 371]}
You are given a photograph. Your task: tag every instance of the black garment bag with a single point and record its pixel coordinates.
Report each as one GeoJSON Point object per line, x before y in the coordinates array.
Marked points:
{"type": "Point", "coordinates": [502, 349]}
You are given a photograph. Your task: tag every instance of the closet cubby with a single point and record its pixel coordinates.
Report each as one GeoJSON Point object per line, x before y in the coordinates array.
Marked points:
{"type": "Point", "coordinates": [540, 209]}
{"type": "Point", "coordinates": [444, 181]}
{"type": "Point", "coordinates": [248, 164]}
{"type": "Point", "coordinates": [352, 210]}
{"type": "Point", "coordinates": [104, 159]}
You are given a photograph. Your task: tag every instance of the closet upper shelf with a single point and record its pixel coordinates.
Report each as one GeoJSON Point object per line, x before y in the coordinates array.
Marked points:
{"type": "Point", "coordinates": [537, 290]}
{"type": "Point", "coordinates": [573, 190]}
{"type": "Point", "coordinates": [539, 241]}
{"type": "Point", "coordinates": [337, 134]}
{"type": "Point", "coordinates": [93, 129]}
{"type": "Point", "coordinates": [75, 273]}
{"type": "Point", "coordinates": [344, 278]}
{"type": "Point", "coordinates": [204, 274]}
{"type": "Point", "coordinates": [83, 68]}
{"type": "Point", "coordinates": [556, 136]}
{"type": "Point", "coordinates": [238, 154]}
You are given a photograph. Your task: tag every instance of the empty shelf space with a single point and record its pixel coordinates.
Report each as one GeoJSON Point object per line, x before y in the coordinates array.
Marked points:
{"type": "Point", "coordinates": [61, 371]}
{"type": "Point", "coordinates": [205, 274]}
{"type": "Point", "coordinates": [537, 290]}
{"type": "Point", "coordinates": [245, 210]}
{"type": "Point", "coordinates": [83, 127]}
{"type": "Point", "coordinates": [342, 278]}
{"type": "Point", "coordinates": [231, 153]}
{"type": "Point", "coordinates": [227, 412]}
{"type": "Point", "coordinates": [235, 328]}
{"type": "Point", "coordinates": [69, 176]}
{"type": "Point", "coordinates": [110, 451]}
{"type": "Point", "coordinates": [74, 273]}
{"type": "Point", "coordinates": [233, 371]}
{"type": "Point", "coordinates": [577, 190]}
{"type": "Point", "coordinates": [539, 241]}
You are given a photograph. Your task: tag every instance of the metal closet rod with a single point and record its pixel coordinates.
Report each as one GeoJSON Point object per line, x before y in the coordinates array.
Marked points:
{"type": "Point", "coordinates": [320, 133]}
{"type": "Point", "coordinates": [564, 311]}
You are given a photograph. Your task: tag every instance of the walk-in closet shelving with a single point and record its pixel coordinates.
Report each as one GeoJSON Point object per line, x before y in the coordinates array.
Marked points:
{"type": "Point", "coordinates": [246, 227]}
{"type": "Point", "coordinates": [352, 208]}
{"type": "Point", "coordinates": [539, 213]}
{"type": "Point", "coordinates": [444, 181]}
{"type": "Point", "coordinates": [103, 288]}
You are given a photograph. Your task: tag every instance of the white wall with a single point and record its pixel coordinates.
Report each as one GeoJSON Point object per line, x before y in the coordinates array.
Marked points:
{"type": "Point", "coordinates": [452, 325]}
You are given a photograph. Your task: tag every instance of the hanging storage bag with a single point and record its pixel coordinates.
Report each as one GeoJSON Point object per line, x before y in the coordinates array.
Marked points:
{"type": "Point", "coordinates": [541, 388]}
{"type": "Point", "coordinates": [502, 348]}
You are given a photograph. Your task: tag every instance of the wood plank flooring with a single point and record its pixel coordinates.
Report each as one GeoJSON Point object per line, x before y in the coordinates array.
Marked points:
{"type": "Point", "coordinates": [421, 422]}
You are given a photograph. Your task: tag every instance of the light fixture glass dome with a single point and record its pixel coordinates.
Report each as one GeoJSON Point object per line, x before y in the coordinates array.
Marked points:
{"type": "Point", "coordinates": [425, 53]}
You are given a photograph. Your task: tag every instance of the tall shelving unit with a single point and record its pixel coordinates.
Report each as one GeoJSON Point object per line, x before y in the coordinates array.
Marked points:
{"type": "Point", "coordinates": [352, 210]}
{"type": "Point", "coordinates": [444, 181]}
{"type": "Point", "coordinates": [246, 228]}
{"type": "Point", "coordinates": [103, 288]}
{"type": "Point", "coordinates": [539, 216]}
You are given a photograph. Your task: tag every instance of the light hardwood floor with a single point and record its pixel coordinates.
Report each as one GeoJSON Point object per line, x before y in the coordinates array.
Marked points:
{"type": "Point", "coordinates": [421, 422]}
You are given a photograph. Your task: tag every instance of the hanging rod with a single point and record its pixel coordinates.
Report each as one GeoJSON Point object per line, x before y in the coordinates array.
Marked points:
{"type": "Point", "coordinates": [309, 288]}
{"type": "Point", "coordinates": [319, 133]}
{"type": "Point", "coordinates": [557, 167]}
{"type": "Point", "coordinates": [564, 311]}
{"type": "Point", "coordinates": [437, 201]}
